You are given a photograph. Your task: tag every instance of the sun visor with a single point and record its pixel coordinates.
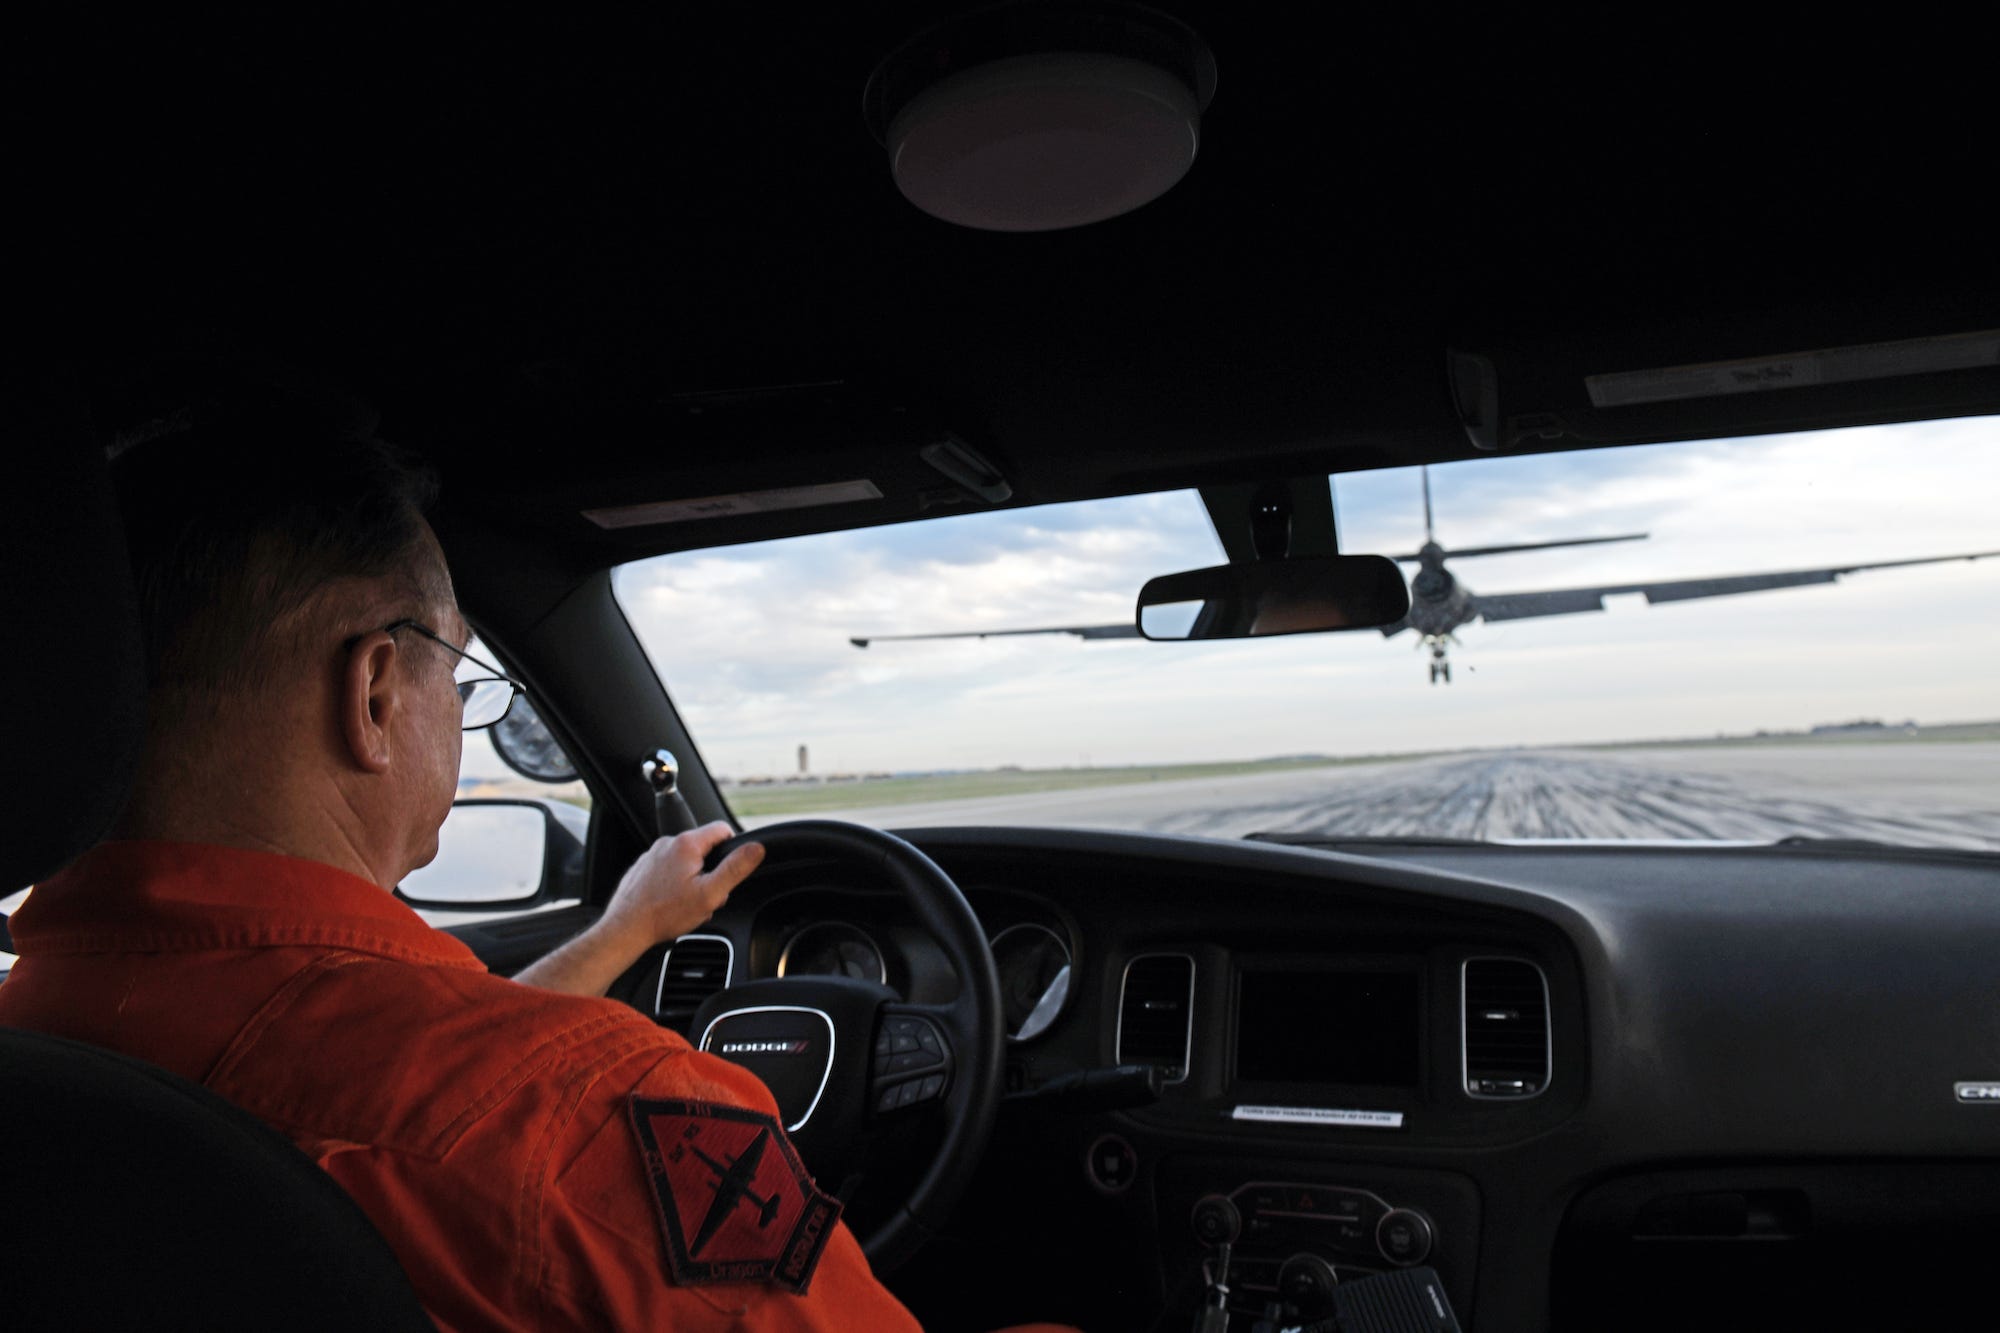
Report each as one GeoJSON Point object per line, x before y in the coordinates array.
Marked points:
{"type": "Point", "coordinates": [1654, 388]}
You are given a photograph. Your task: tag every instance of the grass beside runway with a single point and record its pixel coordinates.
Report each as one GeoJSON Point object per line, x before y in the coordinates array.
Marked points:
{"type": "Point", "coordinates": [805, 798]}
{"type": "Point", "coordinates": [1946, 733]}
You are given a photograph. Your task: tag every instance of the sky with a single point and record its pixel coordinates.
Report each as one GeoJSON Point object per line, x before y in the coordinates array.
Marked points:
{"type": "Point", "coordinates": [752, 641]}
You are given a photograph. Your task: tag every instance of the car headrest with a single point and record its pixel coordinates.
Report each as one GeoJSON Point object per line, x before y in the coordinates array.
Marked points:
{"type": "Point", "coordinates": [75, 671]}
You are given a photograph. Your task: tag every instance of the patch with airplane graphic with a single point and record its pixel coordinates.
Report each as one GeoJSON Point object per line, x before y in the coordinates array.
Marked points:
{"type": "Point", "coordinates": [735, 1202]}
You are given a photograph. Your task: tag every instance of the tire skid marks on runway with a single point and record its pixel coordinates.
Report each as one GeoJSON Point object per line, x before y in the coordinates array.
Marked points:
{"type": "Point", "coordinates": [1556, 795]}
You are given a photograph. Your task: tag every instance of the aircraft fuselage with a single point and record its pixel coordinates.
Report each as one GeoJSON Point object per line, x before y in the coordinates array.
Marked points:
{"type": "Point", "coordinates": [1439, 603]}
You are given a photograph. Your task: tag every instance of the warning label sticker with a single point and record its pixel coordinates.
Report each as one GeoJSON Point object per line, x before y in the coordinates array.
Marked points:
{"type": "Point", "coordinates": [1796, 370]}
{"type": "Point", "coordinates": [731, 506]}
{"type": "Point", "coordinates": [1320, 1115]}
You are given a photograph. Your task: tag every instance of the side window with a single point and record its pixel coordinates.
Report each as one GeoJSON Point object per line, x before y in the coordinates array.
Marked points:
{"type": "Point", "coordinates": [513, 843]}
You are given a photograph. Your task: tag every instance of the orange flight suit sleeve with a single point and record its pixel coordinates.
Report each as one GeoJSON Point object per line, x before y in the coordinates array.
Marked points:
{"type": "Point", "coordinates": [605, 1260]}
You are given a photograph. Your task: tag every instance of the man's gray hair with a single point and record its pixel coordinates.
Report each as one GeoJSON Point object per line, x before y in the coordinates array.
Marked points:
{"type": "Point", "coordinates": [239, 524]}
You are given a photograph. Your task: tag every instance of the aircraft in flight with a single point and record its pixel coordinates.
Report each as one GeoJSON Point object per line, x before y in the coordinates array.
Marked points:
{"type": "Point", "coordinates": [1440, 604]}
{"type": "Point", "coordinates": [732, 1187]}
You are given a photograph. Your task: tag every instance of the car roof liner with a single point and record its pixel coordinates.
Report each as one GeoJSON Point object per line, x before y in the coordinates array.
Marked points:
{"type": "Point", "coordinates": [535, 246]}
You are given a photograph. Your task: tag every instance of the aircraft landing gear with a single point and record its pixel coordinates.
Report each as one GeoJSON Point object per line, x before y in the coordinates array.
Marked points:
{"type": "Point", "coordinates": [1440, 665]}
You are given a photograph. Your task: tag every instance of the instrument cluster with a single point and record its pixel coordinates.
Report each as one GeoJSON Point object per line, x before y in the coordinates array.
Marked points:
{"type": "Point", "coordinates": [835, 934]}
{"type": "Point", "coordinates": [833, 949]}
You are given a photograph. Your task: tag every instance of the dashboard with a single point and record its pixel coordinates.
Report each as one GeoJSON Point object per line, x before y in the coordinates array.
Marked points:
{"type": "Point", "coordinates": [1548, 1073]}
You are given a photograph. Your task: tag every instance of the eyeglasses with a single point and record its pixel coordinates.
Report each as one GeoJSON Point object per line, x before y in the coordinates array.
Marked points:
{"type": "Point", "coordinates": [484, 700]}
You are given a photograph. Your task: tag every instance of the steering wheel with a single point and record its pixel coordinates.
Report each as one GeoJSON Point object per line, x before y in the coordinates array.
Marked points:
{"type": "Point", "coordinates": [849, 1062]}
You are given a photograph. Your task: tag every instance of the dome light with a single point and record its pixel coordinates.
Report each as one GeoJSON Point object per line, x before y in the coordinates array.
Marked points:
{"type": "Point", "coordinates": [1038, 117]}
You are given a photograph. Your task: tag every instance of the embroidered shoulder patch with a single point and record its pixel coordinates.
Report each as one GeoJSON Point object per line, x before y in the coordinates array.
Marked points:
{"type": "Point", "coordinates": [734, 1201]}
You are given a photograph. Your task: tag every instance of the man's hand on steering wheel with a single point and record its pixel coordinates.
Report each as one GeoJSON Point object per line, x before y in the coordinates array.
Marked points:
{"type": "Point", "coordinates": [666, 893]}
{"type": "Point", "coordinates": [662, 897]}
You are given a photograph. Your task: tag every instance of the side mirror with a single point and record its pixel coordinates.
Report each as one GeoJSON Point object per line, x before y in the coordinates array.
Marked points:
{"type": "Point", "coordinates": [525, 744]}
{"type": "Point", "coordinates": [1264, 597]}
{"type": "Point", "coordinates": [497, 854]}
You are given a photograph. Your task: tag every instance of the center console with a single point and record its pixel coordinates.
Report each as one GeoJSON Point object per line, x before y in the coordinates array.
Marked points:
{"type": "Point", "coordinates": [1304, 1229]}
{"type": "Point", "coordinates": [1311, 1127]}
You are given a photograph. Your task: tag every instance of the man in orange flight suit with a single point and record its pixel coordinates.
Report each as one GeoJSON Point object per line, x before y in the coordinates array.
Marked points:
{"type": "Point", "coordinates": [525, 1149]}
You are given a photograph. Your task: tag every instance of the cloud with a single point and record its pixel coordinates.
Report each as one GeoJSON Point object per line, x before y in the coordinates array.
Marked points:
{"type": "Point", "coordinates": [752, 641]}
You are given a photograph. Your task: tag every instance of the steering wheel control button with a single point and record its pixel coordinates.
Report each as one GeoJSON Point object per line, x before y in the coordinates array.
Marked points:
{"type": "Point", "coordinates": [912, 1062]}
{"type": "Point", "coordinates": [1404, 1237]}
{"type": "Point", "coordinates": [906, 1044]}
{"type": "Point", "coordinates": [1111, 1164]}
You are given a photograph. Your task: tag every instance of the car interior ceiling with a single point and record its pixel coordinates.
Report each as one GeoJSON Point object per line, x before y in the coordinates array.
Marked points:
{"type": "Point", "coordinates": [659, 258]}
{"type": "Point", "coordinates": [582, 267]}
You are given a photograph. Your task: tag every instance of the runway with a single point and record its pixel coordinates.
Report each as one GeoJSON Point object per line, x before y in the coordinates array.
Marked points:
{"type": "Point", "coordinates": [1942, 794]}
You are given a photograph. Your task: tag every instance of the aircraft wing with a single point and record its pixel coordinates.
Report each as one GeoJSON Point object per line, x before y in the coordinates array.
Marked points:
{"type": "Point", "coordinates": [1569, 601]}
{"type": "Point", "coordinates": [1125, 631]}
{"type": "Point", "coordinates": [1461, 553]}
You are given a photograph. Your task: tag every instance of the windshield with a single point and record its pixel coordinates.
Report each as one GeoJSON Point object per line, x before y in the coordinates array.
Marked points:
{"type": "Point", "coordinates": [1833, 702]}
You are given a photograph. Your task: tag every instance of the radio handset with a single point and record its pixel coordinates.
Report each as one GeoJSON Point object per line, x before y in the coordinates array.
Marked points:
{"type": "Point", "coordinates": [671, 815]}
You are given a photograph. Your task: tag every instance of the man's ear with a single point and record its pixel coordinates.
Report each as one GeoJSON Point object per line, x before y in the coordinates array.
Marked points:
{"type": "Point", "coordinates": [370, 693]}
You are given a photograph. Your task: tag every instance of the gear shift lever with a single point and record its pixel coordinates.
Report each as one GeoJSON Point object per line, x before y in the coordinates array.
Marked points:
{"type": "Point", "coordinates": [1217, 1224]}
{"type": "Point", "coordinates": [671, 815]}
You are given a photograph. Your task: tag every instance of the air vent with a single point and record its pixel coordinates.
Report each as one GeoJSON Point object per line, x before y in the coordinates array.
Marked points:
{"type": "Point", "coordinates": [696, 967]}
{"type": "Point", "coordinates": [1156, 1014]}
{"type": "Point", "coordinates": [1506, 1029]}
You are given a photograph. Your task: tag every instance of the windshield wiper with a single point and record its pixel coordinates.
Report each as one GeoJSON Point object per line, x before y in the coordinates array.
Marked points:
{"type": "Point", "coordinates": [1790, 842]}
{"type": "Point", "coordinates": [1800, 841]}
{"type": "Point", "coordinates": [1363, 840]}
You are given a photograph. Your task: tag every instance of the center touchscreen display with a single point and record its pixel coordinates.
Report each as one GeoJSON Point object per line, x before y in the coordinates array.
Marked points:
{"type": "Point", "coordinates": [1328, 1027]}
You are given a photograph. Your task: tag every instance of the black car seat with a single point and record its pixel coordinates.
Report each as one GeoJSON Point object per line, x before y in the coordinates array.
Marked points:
{"type": "Point", "coordinates": [129, 1197]}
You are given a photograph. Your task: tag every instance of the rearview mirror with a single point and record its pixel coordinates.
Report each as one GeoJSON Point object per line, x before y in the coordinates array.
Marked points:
{"type": "Point", "coordinates": [495, 853]}
{"type": "Point", "coordinates": [1264, 597]}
